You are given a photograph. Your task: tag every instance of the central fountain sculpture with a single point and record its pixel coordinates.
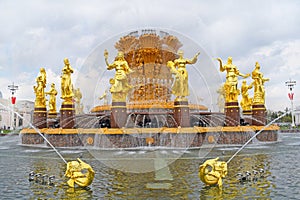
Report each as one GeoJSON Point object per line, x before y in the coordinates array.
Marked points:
{"type": "Point", "coordinates": [149, 69]}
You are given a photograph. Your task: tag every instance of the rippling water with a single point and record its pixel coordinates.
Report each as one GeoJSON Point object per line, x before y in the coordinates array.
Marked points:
{"type": "Point", "coordinates": [164, 174]}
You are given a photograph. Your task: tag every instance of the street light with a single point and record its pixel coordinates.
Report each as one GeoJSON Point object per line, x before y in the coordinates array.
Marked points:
{"type": "Point", "coordinates": [290, 84]}
{"type": "Point", "coordinates": [13, 88]}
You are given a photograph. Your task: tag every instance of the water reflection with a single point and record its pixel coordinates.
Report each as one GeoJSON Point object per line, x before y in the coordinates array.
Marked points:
{"type": "Point", "coordinates": [176, 177]}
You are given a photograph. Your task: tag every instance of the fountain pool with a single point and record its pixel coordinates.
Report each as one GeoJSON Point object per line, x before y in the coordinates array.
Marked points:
{"type": "Point", "coordinates": [176, 180]}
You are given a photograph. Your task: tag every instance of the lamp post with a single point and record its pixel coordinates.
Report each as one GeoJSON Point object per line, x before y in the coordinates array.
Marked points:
{"type": "Point", "coordinates": [13, 88]}
{"type": "Point", "coordinates": [290, 84]}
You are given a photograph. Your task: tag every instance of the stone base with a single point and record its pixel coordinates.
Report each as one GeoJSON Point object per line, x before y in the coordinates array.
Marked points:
{"type": "Point", "coordinates": [172, 138]}
{"type": "Point", "coordinates": [52, 118]}
{"type": "Point", "coordinates": [118, 114]}
{"type": "Point", "coordinates": [182, 113]}
{"type": "Point", "coordinates": [32, 138]}
{"type": "Point", "coordinates": [269, 136]}
{"type": "Point", "coordinates": [40, 117]}
{"type": "Point", "coordinates": [247, 116]}
{"type": "Point", "coordinates": [52, 115]}
{"type": "Point", "coordinates": [234, 137]}
{"type": "Point", "coordinates": [67, 115]}
{"type": "Point", "coordinates": [64, 140]}
{"type": "Point", "coordinates": [232, 114]}
{"type": "Point", "coordinates": [259, 115]}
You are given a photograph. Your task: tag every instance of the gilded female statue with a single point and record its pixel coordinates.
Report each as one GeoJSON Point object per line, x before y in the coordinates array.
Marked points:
{"type": "Point", "coordinates": [246, 102]}
{"type": "Point", "coordinates": [258, 82]}
{"type": "Point", "coordinates": [39, 90]}
{"type": "Point", "coordinates": [66, 83]}
{"type": "Point", "coordinates": [104, 97]}
{"type": "Point", "coordinates": [221, 98]}
{"type": "Point", "coordinates": [230, 86]}
{"type": "Point", "coordinates": [78, 104]}
{"type": "Point", "coordinates": [52, 101]}
{"type": "Point", "coordinates": [40, 100]}
{"type": "Point", "coordinates": [178, 67]}
{"type": "Point", "coordinates": [119, 84]}
{"type": "Point", "coordinates": [43, 76]}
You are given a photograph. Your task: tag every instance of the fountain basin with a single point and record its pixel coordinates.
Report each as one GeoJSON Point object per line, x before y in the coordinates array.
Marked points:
{"type": "Point", "coordinates": [185, 137]}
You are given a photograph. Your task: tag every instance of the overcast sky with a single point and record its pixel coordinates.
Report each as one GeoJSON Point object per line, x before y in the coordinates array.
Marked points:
{"type": "Point", "coordinates": [41, 33]}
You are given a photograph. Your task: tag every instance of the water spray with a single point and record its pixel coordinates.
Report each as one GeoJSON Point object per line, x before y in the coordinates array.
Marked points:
{"type": "Point", "coordinates": [212, 171]}
{"type": "Point", "coordinates": [37, 130]}
{"type": "Point", "coordinates": [255, 136]}
{"type": "Point", "coordinates": [74, 168]}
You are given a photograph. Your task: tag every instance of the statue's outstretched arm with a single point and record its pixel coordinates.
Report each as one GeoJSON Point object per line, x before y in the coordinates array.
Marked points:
{"type": "Point", "coordinates": [222, 68]}
{"type": "Point", "coordinates": [243, 75]}
{"type": "Point", "coordinates": [194, 60]}
{"type": "Point", "coordinates": [71, 69]}
{"type": "Point", "coordinates": [250, 86]}
{"type": "Point", "coordinates": [106, 58]}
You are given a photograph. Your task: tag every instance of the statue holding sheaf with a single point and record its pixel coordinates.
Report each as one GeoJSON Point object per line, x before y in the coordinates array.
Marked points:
{"type": "Point", "coordinates": [221, 98]}
{"type": "Point", "coordinates": [52, 101]}
{"type": "Point", "coordinates": [246, 102]}
{"type": "Point", "coordinates": [78, 104]}
{"type": "Point", "coordinates": [104, 97]}
{"type": "Point", "coordinates": [178, 67]}
{"type": "Point", "coordinates": [119, 84]}
{"type": "Point", "coordinates": [258, 83]}
{"type": "Point", "coordinates": [39, 90]}
{"type": "Point", "coordinates": [230, 86]}
{"type": "Point", "coordinates": [66, 83]}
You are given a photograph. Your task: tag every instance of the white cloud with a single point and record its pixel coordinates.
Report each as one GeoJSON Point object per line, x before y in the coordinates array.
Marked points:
{"type": "Point", "coordinates": [279, 62]}
{"type": "Point", "coordinates": [38, 34]}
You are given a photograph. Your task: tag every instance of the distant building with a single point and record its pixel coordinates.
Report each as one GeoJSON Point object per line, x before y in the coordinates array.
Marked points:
{"type": "Point", "coordinates": [24, 108]}
{"type": "Point", "coordinates": [297, 115]}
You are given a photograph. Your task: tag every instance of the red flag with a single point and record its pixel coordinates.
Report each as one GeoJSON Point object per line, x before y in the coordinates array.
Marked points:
{"type": "Point", "coordinates": [13, 100]}
{"type": "Point", "coordinates": [291, 96]}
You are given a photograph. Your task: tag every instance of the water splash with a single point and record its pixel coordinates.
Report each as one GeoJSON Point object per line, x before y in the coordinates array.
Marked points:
{"type": "Point", "coordinates": [37, 130]}
{"type": "Point", "coordinates": [255, 136]}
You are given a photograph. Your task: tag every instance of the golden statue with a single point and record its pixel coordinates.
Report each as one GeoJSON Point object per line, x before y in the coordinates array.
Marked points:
{"type": "Point", "coordinates": [78, 104]}
{"type": "Point", "coordinates": [258, 82]}
{"type": "Point", "coordinates": [212, 171]}
{"type": "Point", "coordinates": [178, 67]}
{"type": "Point", "coordinates": [221, 98]}
{"type": "Point", "coordinates": [104, 97]}
{"type": "Point", "coordinates": [43, 76]}
{"type": "Point", "coordinates": [66, 83]}
{"type": "Point", "coordinates": [120, 85]}
{"type": "Point", "coordinates": [80, 173]}
{"type": "Point", "coordinates": [246, 102]}
{"type": "Point", "coordinates": [52, 102]}
{"type": "Point", "coordinates": [230, 86]}
{"type": "Point", "coordinates": [39, 90]}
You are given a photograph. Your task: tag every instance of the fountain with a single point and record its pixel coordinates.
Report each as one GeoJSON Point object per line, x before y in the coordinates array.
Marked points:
{"type": "Point", "coordinates": [153, 127]}
{"type": "Point", "coordinates": [212, 171]}
{"type": "Point", "coordinates": [151, 108]}
{"type": "Point", "coordinates": [143, 111]}
{"type": "Point", "coordinates": [74, 169]}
